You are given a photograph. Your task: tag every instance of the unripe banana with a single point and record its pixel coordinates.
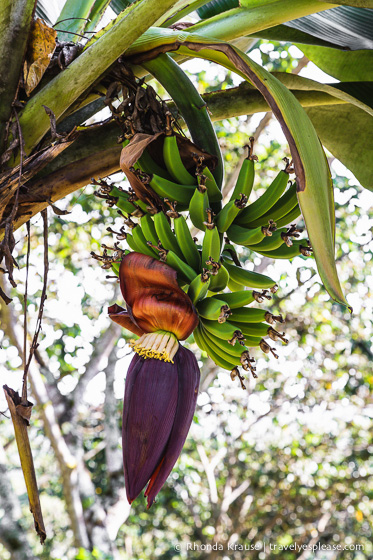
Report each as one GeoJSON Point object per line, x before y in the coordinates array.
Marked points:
{"type": "Point", "coordinates": [229, 212]}
{"type": "Point", "coordinates": [249, 278]}
{"type": "Point", "coordinates": [141, 242]}
{"type": "Point", "coordinates": [186, 243]}
{"type": "Point", "coordinates": [283, 206]}
{"type": "Point", "coordinates": [198, 206]}
{"type": "Point", "coordinates": [213, 191]}
{"type": "Point", "coordinates": [148, 229]}
{"type": "Point", "coordinates": [226, 331]}
{"type": "Point", "coordinates": [148, 165]}
{"type": "Point", "coordinates": [199, 287]}
{"type": "Point", "coordinates": [210, 246]}
{"type": "Point", "coordinates": [237, 299]}
{"type": "Point", "coordinates": [245, 180]}
{"type": "Point", "coordinates": [289, 217]}
{"type": "Point", "coordinates": [203, 344]}
{"type": "Point", "coordinates": [299, 247]}
{"type": "Point", "coordinates": [184, 271]}
{"type": "Point", "coordinates": [166, 235]}
{"type": "Point", "coordinates": [172, 191]}
{"type": "Point", "coordinates": [266, 200]}
{"type": "Point", "coordinates": [254, 315]}
{"type": "Point", "coordinates": [246, 237]}
{"type": "Point", "coordinates": [174, 163]}
{"type": "Point", "coordinates": [213, 309]}
{"type": "Point", "coordinates": [220, 280]}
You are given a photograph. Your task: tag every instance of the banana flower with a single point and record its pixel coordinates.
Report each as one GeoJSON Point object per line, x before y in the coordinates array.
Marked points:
{"type": "Point", "coordinates": [163, 378]}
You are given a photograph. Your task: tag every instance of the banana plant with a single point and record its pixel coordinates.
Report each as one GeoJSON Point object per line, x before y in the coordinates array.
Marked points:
{"type": "Point", "coordinates": [53, 78]}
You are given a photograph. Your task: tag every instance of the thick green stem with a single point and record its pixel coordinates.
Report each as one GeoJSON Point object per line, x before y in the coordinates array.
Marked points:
{"type": "Point", "coordinates": [246, 21]}
{"type": "Point", "coordinates": [15, 21]}
{"type": "Point", "coordinates": [65, 88]}
{"type": "Point", "coordinates": [190, 104]}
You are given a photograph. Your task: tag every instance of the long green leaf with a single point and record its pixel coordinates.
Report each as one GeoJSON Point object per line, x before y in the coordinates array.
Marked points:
{"type": "Point", "coordinates": [314, 185]}
{"type": "Point", "coordinates": [245, 21]}
{"type": "Point", "coordinates": [353, 66]}
{"type": "Point", "coordinates": [356, 3]}
{"type": "Point", "coordinates": [290, 35]}
{"type": "Point", "coordinates": [347, 132]}
{"type": "Point", "coordinates": [343, 26]}
{"type": "Point", "coordinates": [65, 88]}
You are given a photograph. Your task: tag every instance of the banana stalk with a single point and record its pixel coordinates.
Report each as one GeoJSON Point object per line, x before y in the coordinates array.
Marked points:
{"type": "Point", "coordinates": [190, 104]}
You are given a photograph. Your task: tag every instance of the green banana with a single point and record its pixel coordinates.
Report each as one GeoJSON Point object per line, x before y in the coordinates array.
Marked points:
{"type": "Point", "coordinates": [289, 217]}
{"type": "Point", "coordinates": [235, 350]}
{"type": "Point", "coordinates": [139, 248]}
{"type": "Point", "coordinates": [226, 331]}
{"type": "Point", "coordinates": [220, 280]}
{"type": "Point", "coordinates": [210, 246]}
{"type": "Point", "coordinates": [172, 191]}
{"type": "Point", "coordinates": [199, 287]}
{"type": "Point", "coordinates": [213, 309]}
{"type": "Point", "coordinates": [229, 212]}
{"type": "Point", "coordinates": [198, 206]}
{"type": "Point", "coordinates": [213, 191]}
{"type": "Point", "coordinates": [282, 236]}
{"type": "Point", "coordinates": [148, 165]}
{"type": "Point", "coordinates": [234, 286]}
{"type": "Point", "coordinates": [115, 267]}
{"type": "Point", "coordinates": [245, 180]}
{"type": "Point", "coordinates": [266, 200]}
{"type": "Point", "coordinates": [283, 206]}
{"type": "Point", "coordinates": [298, 248]}
{"type": "Point", "coordinates": [248, 278]}
{"type": "Point", "coordinates": [254, 315]}
{"type": "Point", "coordinates": [203, 344]}
{"type": "Point", "coordinates": [186, 243]}
{"type": "Point", "coordinates": [148, 229]}
{"type": "Point", "coordinates": [141, 242]}
{"type": "Point", "coordinates": [243, 236]}
{"type": "Point", "coordinates": [121, 199]}
{"type": "Point", "coordinates": [217, 354]}
{"type": "Point", "coordinates": [259, 330]}
{"type": "Point", "coordinates": [185, 272]}
{"type": "Point", "coordinates": [174, 163]}
{"type": "Point", "coordinates": [166, 235]}
{"type": "Point", "coordinates": [236, 299]}
{"type": "Point", "coordinates": [270, 243]}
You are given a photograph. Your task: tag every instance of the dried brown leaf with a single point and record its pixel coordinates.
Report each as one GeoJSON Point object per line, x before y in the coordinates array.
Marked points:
{"type": "Point", "coordinates": [41, 46]}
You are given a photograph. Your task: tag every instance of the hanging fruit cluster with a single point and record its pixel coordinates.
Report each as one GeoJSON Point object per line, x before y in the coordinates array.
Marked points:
{"type": "Point", "coordinates": [176, 282]}
{"type": "Point", "coordinates": [157, 226]}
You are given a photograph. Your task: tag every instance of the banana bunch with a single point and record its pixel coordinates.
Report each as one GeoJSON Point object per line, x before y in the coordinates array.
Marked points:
{"type": "Point", "coordinates": [171, 180]}
{"type": "Point", "coordinates": [228, 327]}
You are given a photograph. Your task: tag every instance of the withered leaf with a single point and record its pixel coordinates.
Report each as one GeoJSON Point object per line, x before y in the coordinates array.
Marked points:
{"type": "Point", "coordinates": [20, 413]}
{"type": "Point", "coordinates": [41, 46]}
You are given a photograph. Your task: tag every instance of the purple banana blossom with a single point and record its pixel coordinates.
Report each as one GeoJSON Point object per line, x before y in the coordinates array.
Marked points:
{"type": "Point", "coordinates": [159, 402]}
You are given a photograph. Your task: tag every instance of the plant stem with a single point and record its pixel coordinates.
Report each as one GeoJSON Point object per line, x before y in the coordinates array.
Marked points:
{"type": "Point", "coordinates": [245, 21]}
